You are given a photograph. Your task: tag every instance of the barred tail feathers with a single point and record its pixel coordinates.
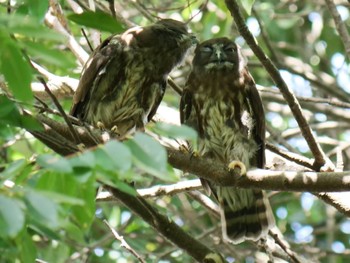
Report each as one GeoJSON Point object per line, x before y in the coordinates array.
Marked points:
{"type": "Point", "coordinates": [245, 214]}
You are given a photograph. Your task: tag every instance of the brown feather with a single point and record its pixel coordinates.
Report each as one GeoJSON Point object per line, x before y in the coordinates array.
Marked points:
{"type": "Point", "coordinates": [222, 103]}
{"type": "Point", "coordinates": [124, 80]}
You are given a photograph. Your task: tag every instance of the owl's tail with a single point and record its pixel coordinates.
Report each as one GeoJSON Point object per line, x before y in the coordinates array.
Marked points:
{"type": "Point", "coordinates": [245, 214]}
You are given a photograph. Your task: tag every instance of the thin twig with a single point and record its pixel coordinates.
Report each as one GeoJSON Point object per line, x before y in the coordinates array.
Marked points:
{"type": "Point", "coordinates": [159, 190]}
{"type": "Point", "coordinates": [60, 109]}
{"type": "Point", "coordinates": [112, 8]}
{"type": "Point", "coordinates": [265, 36]}
{"type": "Point", "coordinates": [87, 39]}
{"type": "Point", "coordinates": [284, 246]}
{"type": "Point", "coordinates": [163, 225]}
{"type": "Point", "coordinates": [123, 243]}
{"type": "Point", "coordinates": [330, 101]}
{"type": "Point", "coordinates": [320, 157]}
{"type": "Point", "coordinates": [340, 25]}
{"type": "Point", "coordinates": [298, 159]}
{"type": "Point", "coordinates": [175, 87]}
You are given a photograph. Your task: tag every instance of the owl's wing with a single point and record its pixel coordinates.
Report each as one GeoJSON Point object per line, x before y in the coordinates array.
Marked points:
{"type": "Point", "coordinates": [158, 99]}
{"type": "Point", "coordinates": [258, 116]}
{"type": "Point", "coordinates": [185, 106]}
{"type": "Point", "coordinates": [107, 52]}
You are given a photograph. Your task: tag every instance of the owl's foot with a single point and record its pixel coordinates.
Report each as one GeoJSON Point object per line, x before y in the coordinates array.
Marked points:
{"type": "Point", "coordinates": [184, 148]}
{"type": "Point", "coordinates": [187, 150]}
{"type": "Point", "coordinates": [100, 125]}
{"type": "Point", "coordinates": [115, 130]}
{"type": "Point", "coordinates": [237, 165]}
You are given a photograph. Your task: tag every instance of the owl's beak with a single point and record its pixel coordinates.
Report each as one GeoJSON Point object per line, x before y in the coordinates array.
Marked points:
{"type": "Point", "coordinates": [218, 55]}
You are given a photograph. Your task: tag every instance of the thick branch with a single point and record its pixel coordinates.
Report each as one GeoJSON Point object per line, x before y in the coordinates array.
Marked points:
{"type": "Point", "coordinates": [211, 170]}
{"type": "Point", "coordinates": [320, 157]}
{"type": "Point", "coordinates": [261, 179]}
{"type": "Point", "coordinates": [163, 225]}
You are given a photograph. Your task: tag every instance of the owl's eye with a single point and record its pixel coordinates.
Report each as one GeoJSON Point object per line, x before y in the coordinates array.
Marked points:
{"type": "Point", "coordinates": [230, 49]}
{"type": "Point", "coordinates": [207, 49]}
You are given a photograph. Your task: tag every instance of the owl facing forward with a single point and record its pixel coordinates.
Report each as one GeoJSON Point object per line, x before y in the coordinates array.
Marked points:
{"type": "Point", "coordinates": [124, 80]}
{"type": "Point", "coordinates": [222, 103]}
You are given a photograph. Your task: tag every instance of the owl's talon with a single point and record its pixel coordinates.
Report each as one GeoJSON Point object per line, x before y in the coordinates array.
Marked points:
{"type": "Point", "coordinates": [115, 130]}
{"type": "Point", "coordinates": [187, 150]}
{"type": "Point", "coordinates": [184, 148]}
{"type": "Point", "coordinates": [100, 125]}
{"type": "Point", "coordinates": [237, 165]}
{"type": "Point", "coordinates": [195, 154]}
{"type": "Point", "coordinates": [81, 146]}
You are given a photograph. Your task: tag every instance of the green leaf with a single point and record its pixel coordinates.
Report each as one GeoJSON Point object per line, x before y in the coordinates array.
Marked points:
{"type": "Point", "coordinates": [85, 159]}
{"type": "Point", "coordinates": [97, 20]}
{"type": "Point", "coordinates": [247, 5]}
{"type": "Point", "coordinates": [13, 169]}
{"type": "Point", "coordinates": [54, 163]}
{"type": "Point", "coordinates": [9, 114]}
{"type": "Point", "coordinates": [42, 209]}
{"type": "Point", "coordinates": [149, 155]}
{"type": "Point", "coordinates": [44, 230]}
{"type": "Point", "coordinates": [49, 55]}
{"type": "Point", "coordinates": [85, 214]}
{"type": "Point", "coordinates": [16, 69]}
{"type": "Point", "coordinates": [175, 131]}
{"type": "Point", "coordinates": [38, 8]}
{"type": "Point", "coordinates": [60, 198]}
{"type": "Point", "coordinates": [103, 161]}
{"type": "Point", "coordinates": [26, 248]}
{"type": "Point", "coordinates": [126, 188]}
{"type": "Point", "coordinates": [119, 155]}
{"type": "Point", "coordinates": [11, 216]}
{"type": "Point", "coordinates": [27, 26]}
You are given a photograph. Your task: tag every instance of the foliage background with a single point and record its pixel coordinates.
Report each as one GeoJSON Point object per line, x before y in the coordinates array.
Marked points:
{"type": "Point", "coordinates": [48, 210]}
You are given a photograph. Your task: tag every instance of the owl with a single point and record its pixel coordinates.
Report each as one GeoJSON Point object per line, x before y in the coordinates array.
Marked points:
{"type": "Point", "coordinates": [124, 80]}
{"type": "Point", "coordinates": [221, 102]}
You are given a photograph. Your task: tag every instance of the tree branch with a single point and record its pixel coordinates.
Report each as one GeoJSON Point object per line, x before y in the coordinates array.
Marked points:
{"type": "Point", "coordinates": [123, 243]}
{"type": "Point", "coordinates": [164, 226]}
{"type": "Point", "coordinates": [261, 179]}
{"type": "Point", "coordinates": [211, 170]}
{"type": "Point", "coordinates": [341, 27]}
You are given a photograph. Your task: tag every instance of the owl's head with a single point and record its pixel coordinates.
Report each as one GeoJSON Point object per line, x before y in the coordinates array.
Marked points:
{"type": "Point", "coordinates": [218, 54]}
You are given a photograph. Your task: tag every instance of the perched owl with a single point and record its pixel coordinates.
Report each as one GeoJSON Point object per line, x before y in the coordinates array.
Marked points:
{"type": "Point", "coordinates": [221, 102]}
{"type": "Point", "coordinates": [124, 80]}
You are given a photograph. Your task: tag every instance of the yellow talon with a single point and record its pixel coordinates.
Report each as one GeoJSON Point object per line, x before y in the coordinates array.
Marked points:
{"type": "Point", "coordinates": [195, 154]}
{"type": "Point", "coordinates": [115, 130]}
{"type": "Point", "coordinates": [100, 125]}
{"type": "Point", "coordinates": [184, 148]}
{"type": "Point", "coordinates": [81, 146]}
{"type": "Point", "coordinates": [237, 165]}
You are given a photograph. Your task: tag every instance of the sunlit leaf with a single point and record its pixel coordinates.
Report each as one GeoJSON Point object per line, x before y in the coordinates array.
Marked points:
{"type": "Point", "coordinates": [247, 5]}
{"type": "Point", "coordinates": [97, 20]}
{"type": "Point", "coordinates": [52, 56]}
{"type": "Point", "coordinates": [27, 26]}
{"type": "Point", "coordinates": [16, 69]}
{"type": "Point", "coordinates": [38, 8]}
